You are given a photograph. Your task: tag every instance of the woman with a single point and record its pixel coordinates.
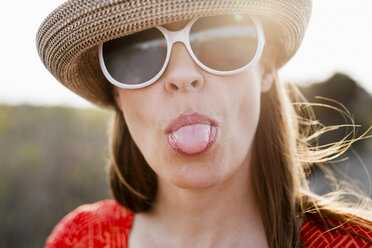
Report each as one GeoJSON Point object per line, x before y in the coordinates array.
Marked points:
{"type": "Point", "coordinates": [205, 142]}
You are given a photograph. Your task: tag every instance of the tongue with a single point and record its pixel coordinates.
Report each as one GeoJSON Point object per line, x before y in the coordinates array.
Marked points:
{"type": "Point", "coordinates": [190, 139]}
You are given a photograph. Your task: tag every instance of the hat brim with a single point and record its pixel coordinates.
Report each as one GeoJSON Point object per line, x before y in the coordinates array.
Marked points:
{"type": "Point", "coordinates": [68, 38]}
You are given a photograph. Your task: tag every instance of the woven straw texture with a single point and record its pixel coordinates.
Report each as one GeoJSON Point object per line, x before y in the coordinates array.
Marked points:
{"type": "Point", "coordinates": [67, 39]}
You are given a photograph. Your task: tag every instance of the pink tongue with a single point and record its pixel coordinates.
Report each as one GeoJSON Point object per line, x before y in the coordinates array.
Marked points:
{"type": "Point", "coordinates": [190, 139]}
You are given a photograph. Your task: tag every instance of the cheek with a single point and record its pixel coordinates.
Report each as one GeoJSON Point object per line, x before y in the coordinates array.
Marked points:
{"type": "Point", "coordinates": [132, 107]}
{"type": "Point", "coordinates": [137, 108]}
{"type": "Point", "coordinates": [246, 111]}
{"type": "Point", "coordinates": [249, 111]}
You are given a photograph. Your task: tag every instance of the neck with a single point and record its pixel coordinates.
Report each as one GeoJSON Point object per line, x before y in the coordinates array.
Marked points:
{"type": "Point", "coordinates": [225, 215]}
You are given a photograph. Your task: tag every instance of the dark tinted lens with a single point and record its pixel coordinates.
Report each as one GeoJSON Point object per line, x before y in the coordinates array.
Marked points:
{"type": "Point", "coordinates": [224, 43]}
{"type": "Point", "coordinates": [136, 58]}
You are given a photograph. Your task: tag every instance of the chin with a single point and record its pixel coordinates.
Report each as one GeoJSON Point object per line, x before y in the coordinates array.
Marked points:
{"type": "Point", "coordinates": [196, 178]}
{"type": "Point", "coordinates": [195, 184]}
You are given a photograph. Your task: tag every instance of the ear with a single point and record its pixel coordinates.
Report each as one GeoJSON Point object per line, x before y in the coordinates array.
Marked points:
{"type": "Point", "coordinates": [267, 69]}
{"type": "Point", "coordinates": [267, 80]}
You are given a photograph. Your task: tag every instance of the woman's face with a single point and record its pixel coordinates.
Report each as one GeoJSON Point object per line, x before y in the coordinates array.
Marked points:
{"type": "Point", "coordinates": [232, 101]}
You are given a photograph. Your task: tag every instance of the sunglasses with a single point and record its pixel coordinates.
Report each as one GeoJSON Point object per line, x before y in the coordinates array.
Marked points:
{"type": "Point", "coordinates": [221, 45]}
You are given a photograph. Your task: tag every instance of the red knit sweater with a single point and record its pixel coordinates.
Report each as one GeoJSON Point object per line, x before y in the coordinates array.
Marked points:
{"type": "Point", "coordinates": [107, 224]}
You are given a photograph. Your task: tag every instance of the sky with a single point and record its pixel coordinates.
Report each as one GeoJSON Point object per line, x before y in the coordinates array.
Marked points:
{"type": "Point", "coordinates": [338, 39]}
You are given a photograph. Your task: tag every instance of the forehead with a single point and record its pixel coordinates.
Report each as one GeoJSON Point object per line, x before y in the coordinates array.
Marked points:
{"type": "Point", "coordinates": [176, 25]}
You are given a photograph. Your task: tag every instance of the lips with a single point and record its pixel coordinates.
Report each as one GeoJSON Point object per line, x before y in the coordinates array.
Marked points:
{"type": "Point", "coordinates": [191, 134]}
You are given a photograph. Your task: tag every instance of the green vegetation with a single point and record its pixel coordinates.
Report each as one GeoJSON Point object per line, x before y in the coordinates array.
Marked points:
{"type": "Point", "coordinates": [52, 159]}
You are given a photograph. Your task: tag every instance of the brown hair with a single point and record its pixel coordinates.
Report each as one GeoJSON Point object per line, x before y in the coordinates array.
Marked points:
{"type": "Point", "coordinates": [284, 150]}
{"type": "Point", "coordinates": [282, 158]}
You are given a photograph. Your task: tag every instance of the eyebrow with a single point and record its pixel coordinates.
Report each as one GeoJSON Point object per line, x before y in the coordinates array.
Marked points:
{"type": "Point", "coordinates": [179, 25]}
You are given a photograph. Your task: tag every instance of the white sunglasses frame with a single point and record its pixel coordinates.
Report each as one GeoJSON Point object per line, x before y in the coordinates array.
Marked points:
{"type": "Point", "coordinates": [182, 36]}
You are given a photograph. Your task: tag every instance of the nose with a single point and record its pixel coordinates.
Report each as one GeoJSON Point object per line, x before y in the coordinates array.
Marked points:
{"type": "Point", "coordinates": [182, 73]}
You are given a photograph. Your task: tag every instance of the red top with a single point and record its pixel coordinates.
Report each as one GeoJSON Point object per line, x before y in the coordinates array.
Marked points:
{"type": "Point", "coordinates": [107, 224]}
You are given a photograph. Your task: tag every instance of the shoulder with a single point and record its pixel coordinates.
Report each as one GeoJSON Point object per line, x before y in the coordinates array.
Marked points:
{"type": "Point", "coordinates": [318, 233]}
{"type": "Point", "coordinates": [93, 225]}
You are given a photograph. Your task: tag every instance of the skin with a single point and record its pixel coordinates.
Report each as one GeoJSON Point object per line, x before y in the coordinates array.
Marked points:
{"type": "Point", "coordinates": [205, 200]}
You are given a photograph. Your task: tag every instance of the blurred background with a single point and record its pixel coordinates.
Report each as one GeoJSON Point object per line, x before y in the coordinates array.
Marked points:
{"type": "Point", "coordinates": [53, 144]}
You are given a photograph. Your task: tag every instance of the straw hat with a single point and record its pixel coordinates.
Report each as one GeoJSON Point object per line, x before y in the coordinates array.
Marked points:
{"type": "Point", "coordinates": [67, 39]}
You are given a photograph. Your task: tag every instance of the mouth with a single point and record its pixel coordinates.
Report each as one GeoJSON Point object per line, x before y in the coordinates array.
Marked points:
{"type": "Point", "coordinates": [191, 134]}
